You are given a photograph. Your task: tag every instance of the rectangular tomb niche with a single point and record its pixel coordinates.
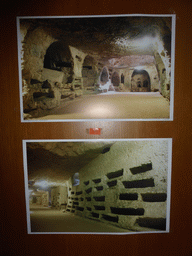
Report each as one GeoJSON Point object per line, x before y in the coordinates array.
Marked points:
{"type": "Point", "coordinates": [96, 67]}
{"type": "Point", "coordinates": [102, 187]}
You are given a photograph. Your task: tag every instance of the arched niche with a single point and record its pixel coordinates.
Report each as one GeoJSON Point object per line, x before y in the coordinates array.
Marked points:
{"type": "Point", "coordinates": [58, 57]}
{"type": "Point", "coordinates": [104, 77]}
{"type": "Point", "coordinates": [115, 79]}
{"type": "Point", "coordinates": [122, 78]}
{"type": "Point", "coordinates": [140, 81]}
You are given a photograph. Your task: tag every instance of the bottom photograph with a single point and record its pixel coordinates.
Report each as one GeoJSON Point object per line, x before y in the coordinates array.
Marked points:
{"type": "Point", "coordinates": [109, 186]}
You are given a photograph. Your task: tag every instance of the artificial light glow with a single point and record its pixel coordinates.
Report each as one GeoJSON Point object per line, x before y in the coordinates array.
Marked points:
{"type": "Point", "coordinates": [143, 43]}
{"type": "Point", "coordinates": [45, 184]}
{"type": "Point", "coordinates": [99, 111]}
{"type": "Point", "coordinates": [42, 183]}
{"type": "Point", "coordinates": [146, 42]}
{"type": "Point", "coordinates": [139, 67]}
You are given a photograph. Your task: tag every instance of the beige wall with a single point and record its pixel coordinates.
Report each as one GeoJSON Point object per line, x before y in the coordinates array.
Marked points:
{"type": "Point", "coordinates": [103, 182]}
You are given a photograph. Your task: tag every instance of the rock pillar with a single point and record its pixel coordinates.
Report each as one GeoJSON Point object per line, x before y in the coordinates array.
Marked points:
{"type": "Point", "coordinates": [78, 59]}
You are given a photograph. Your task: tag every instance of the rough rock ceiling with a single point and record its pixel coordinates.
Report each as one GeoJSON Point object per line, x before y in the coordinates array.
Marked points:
{"type": "Point", "coordinates": [58, 161]}
{"type": "Point", "coordinates": [105, 38]}
{"type": "Point", "coordinates": [131, 61]}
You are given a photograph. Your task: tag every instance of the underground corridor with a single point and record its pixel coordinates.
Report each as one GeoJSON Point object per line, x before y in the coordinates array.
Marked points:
{"type": "Point", "coordinates": [71, 66]}
{"type": "Point", "coordinates": [104, 186]}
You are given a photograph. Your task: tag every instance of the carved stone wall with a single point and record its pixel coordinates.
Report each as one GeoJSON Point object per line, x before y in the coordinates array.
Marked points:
{"type": "Point", "coordinates": [126, 186]}
{"type": "Point", "coordinates": [80, 59]}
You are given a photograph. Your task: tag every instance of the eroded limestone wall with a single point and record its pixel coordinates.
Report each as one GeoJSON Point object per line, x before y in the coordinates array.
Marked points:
{"type": "Point", "coordinates": [90, 73]}
{"type": "Point", "coordinates": [34, 49]}
{"type": "Point", "coordinates": [126, 186]}
{"type": "Point", "coordinates": [162, 54]}
{"type": "Point", "coordinates": [78, 59]}
{"type": "Point", "coordinates": [164, 74]}
{"type": "Point", "coordinates": [36, 96]}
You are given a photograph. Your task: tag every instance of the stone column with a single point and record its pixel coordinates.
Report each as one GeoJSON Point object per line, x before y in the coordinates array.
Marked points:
{"type": "Point", "coordinates": [78, 59]}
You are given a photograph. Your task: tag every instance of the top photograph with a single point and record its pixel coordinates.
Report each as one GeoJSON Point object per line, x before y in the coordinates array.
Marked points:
{"type": "Point", "coordinates": [85, 68]}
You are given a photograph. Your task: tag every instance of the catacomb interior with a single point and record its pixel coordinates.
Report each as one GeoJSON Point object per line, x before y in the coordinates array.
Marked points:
{"type": "Point", "coordinates": [63, 59]}
{"type": "Point", "coordinates": [122, 184]}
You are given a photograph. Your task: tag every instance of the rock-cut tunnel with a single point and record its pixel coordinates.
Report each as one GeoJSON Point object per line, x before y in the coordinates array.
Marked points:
{"type": "Point", "coordinates": [114, 186]}
{"type": "Point", "coordinates": [92, 55]}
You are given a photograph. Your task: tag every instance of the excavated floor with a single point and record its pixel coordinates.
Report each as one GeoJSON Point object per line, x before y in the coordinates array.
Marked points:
{"type": "Point", "coordinates": [49, 220]}
{"type": "Point", "coordinates": [113, 106]}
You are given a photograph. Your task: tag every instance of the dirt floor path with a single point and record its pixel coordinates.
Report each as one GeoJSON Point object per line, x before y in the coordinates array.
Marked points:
{"type": "Point", "coordinates": [113, 106]}
{"type": "Point", "coordinates": [48, 220]}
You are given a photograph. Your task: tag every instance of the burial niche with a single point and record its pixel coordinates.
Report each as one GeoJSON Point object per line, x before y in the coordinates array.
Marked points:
{"type": "Point", "coordinates": [58, 57]}
{"type": "Point", "coordinates": [140, 81]}
{"type": "Point", "coordinates": [104, 78]}
{"type": "Point", "coordinates": [115, 79]}
{"type": "Point", "coordinates": [122, 78]}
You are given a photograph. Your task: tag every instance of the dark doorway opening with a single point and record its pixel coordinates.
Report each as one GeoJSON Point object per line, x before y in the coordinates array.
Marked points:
{"type": "Point", "coordinates": [122, 78]}
{"type": "Point", "coordinates": [140, 81]}
{"type": "Point", "coordinates": [58, 57]}
{"type": "Point", "coordinates": [115, 79]}
{"type": "Point", "coordinates": [104, 78]}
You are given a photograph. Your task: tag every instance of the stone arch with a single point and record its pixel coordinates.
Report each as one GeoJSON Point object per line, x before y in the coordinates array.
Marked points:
{"type": "Point", "coordinates": [140, 81]}
{"type": "Point", "coordinates": [58, 57]}
{"type": "Point", "coordinates": [104, 77]}
{"type": "Point", "coordinates": [115, 79]}
{"type": "Point", "coordinates": [35, 42]}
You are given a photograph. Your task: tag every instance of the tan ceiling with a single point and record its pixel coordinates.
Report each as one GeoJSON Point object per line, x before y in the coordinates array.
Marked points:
{"type": "Point", "coordinates": [58, 161]}
{"type": "Point", "coordinates": [106, 38]}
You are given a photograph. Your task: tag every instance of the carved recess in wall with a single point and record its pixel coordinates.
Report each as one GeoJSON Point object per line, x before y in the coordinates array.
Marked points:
{"type": "Point", "coordinates": [96, 67]}
{"type": "Point", "coordinates": [123, 183]}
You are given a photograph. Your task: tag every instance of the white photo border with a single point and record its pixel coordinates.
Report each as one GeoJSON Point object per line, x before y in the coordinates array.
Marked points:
{"type": "Point", "coordinates": [169, 174]}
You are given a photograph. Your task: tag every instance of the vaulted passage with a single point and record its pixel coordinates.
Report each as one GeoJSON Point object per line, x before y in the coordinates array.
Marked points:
{"type": "Point", "coordinates": [115, 79]}
{"type": "Point", "coordinates": [82, 58]}
{"type": "Point", "coordinates": [125, 187]}
{"type": "Point", "coordinates": [140, 81]}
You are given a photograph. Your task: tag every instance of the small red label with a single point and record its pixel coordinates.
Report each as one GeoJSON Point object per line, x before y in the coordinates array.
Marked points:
{"type": "Point", "coordinates": [95, 131]}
